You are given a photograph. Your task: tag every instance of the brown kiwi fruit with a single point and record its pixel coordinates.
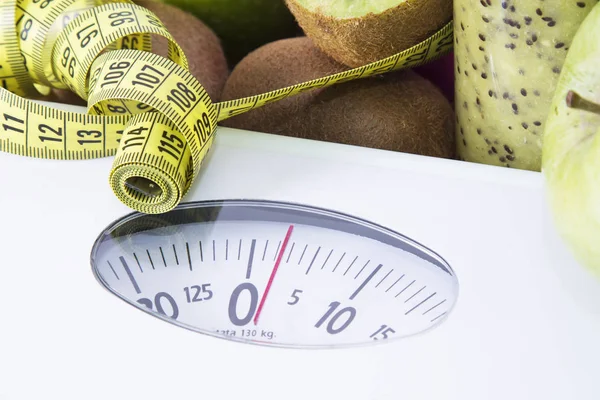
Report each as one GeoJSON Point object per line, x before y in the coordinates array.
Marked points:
{"type": "Point", "coordinates": [356, 33]}
{"type": "Point", "coordinates": [398, 111]}
{"type": "Point", "coordinates": [202, 47]}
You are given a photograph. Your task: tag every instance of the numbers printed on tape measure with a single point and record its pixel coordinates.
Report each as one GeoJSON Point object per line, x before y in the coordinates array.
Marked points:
{"type": "Point", "coordinates": [114, 23]}
{"type": "Point", "coordinates": [149, 77]}
{"type": "Point", "coordinates": [145, 109]}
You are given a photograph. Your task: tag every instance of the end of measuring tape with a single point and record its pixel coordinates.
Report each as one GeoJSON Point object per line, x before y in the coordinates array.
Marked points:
{"type": "Point", "coordinates": [145, 109]}
{"type": "Point", "coordinates": [164, 143]}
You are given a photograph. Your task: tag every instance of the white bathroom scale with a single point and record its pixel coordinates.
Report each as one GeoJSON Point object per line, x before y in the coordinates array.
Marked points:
{"type": "Point", "coordinates": [297, 270]}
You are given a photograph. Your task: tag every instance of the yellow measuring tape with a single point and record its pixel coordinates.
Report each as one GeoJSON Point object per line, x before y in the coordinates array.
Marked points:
{"type": "Point", "coordinates": [145, 109]}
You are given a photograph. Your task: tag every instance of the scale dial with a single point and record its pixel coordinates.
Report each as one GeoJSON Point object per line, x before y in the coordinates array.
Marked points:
{"type": "Point", "coordinates": [275, 274]}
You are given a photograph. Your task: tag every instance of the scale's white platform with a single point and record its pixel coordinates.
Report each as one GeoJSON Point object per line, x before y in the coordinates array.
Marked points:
{"type": "Point", "coordinates": [526, 325]}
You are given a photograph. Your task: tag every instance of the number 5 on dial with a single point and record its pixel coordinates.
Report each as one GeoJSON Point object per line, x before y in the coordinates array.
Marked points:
{"type": "Point", "coordinates": [295, 297]}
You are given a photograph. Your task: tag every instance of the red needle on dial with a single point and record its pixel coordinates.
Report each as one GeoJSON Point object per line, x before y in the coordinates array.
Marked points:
{"type": "Point", "coordinates": [279, 257]}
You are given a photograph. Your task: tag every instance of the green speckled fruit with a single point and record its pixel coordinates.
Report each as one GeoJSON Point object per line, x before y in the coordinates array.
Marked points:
{"type": "Point", "coordinates": [243, 25]}
{"type": "Point", "coordinates": [571, 150]}
{"type": "Point", "coordinates": [509, 54]}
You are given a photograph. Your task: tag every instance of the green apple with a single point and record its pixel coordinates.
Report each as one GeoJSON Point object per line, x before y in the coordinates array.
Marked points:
{"type": "Point", "coordinates": [243, 25]}
{"type": "Point", "coordinates": [571, 147]}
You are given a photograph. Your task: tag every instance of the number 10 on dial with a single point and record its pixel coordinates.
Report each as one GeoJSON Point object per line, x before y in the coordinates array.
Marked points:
{"type": "Point", "coordinates": [275, 274]}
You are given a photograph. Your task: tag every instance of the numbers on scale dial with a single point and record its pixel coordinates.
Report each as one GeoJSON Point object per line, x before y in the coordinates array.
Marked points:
{"type": "Point", "coordinates": [159, 303]}
{"type": "Point", "coordinates": [335, 320]}
{"type": "Point", "coordinates": [295, 298]}
{"type": "Point", "coordinates": [355, 292]}
{"type": "Point", "coordinates": [192, 293]}
{"type": "Point", "coordinates": [346, 315]}
{"type": "Point", "coordinates": [233, 301]}
{"type": "Point", "coordinates": [161, 299]}
{"type": "Point", "coordinates": [383, 331]}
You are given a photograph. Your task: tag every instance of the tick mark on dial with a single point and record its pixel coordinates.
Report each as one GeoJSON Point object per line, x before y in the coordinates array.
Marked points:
{"type": "Point", "coordinates": [138, 262]}
{"type": "Point", "coordinates": [394, 284]}
{"type": "Point", "coordinates": [187, 249]}
{"type": "Point", "coordinates": [175, 252]}
{"type": "Point", "coordinates": [402, 291]}
{"type": "Point", "coordinates": [313, 260]}
{"type": "Point", "coordinates": [277, 251]}
{"type": "Point", "coordinates": [432, 308]}
{"type": "Point", "coordinates": [438, 317]}
{"type": "Point", "coordinates": [418, 305]}
{"type": "Point", "coordinates": [338, 263]}
{"type": "Point", "coordinates": [113, 270]}
{"type": "Point", "coordinates": [351, 264]}
{"type": "Point", "coordinates": [150, 258]}
{"type": "Point", "coordinates": [419, 291]}
{"type": "Point", "coordinates": [130, 275]}
{"type": "Point", "coordinates": [214, 251]}
{"type": "Point", "coordinates": [240, 250]}
{"type": "Point", "coordinates": [226, 249]}
{"type": "Point", "coordinates": [361, 270]}
{"type": "Point", "coordinates": [362, 285]}
{"type": "Point", "coordinates": [290, 253]}
{"type": "Point", "coordinates": [250, 259]}
{"type": "Point", "coordinates": [381, 281]}
{"type": "Point", "coordinates": [163, 256]}
{"type": "Point", "coordinates": [327, 259]}
{"type": "Point", "coordinates": [265, 252]}
{"type": "Point", "coordinates": [302, 256]}
{"type": "Point", "coordinates": [201, 255]}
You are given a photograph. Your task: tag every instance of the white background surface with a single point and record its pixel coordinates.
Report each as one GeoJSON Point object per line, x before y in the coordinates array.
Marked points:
{"type": "Point", "coordinates": [526, 325]}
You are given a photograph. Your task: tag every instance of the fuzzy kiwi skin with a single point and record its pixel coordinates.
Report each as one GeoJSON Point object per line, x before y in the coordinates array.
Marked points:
{"type": "Point", "coordinates": [202, 47]}
{"type": "Point", "coordinates": [399, 111]}
{"type": "Point", "coordinates": [358, 41]}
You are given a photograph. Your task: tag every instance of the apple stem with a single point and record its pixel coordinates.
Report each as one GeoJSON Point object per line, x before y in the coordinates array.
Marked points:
{"type": "Point", "coordinates": [574, 100]}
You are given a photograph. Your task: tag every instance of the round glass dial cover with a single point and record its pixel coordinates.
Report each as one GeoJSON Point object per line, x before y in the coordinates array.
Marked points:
{"type": "Point", "coordinates": [276, 274]}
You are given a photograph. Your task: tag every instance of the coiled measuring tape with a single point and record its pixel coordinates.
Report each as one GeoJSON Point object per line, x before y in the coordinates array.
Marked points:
{"type": "Point", "coordinates": [145, 109]}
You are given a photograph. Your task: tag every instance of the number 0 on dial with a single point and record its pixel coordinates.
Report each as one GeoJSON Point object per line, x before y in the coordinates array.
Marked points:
{"type": "Point", "coordinates": [276, 274]}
